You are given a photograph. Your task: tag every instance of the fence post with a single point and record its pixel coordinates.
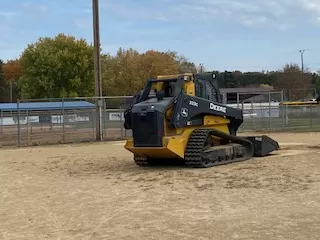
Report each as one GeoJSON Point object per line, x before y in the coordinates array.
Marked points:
{"type": "Point", "coordinates": [287, 115]}
{"type": "Point", "coordinates": [28, 134]}
{"type": "Point", "coordinates": [121, 121]}
{"type": "Point", "coordinates": [1, 116]}
{"type": "Point", "coordinates": [101, 120]}
{"type": "Point", "coordinates": [238, 99]}
{"type": "Point", "coordinates": [104, 116]}
{"type": "Point", "coordinates": [92, 116]}
{"type": "Point", "coordinates": [311, 116]}
{"type": "Point", "coordinates": [252, 116]}
{"type": "Point", "coordinates": [62, 119]}
{"type": "Point", "coordinates": [269, 111]}
{"type": "Point", "coordinates": [18, 117]}
{"type": "Point", "coordinates": [282, 110]}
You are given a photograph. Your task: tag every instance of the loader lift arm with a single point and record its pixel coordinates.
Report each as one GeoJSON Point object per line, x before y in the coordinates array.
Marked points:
{"type": "Point", "coordinates": [189, 111]}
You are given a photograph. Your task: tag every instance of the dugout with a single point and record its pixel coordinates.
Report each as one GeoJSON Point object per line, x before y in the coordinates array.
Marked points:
{"type": "Point", "coordinates": [45, 112]}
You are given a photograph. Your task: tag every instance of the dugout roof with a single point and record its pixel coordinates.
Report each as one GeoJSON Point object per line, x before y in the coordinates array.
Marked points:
{"type": "Point", "coordinates": [46, 106]}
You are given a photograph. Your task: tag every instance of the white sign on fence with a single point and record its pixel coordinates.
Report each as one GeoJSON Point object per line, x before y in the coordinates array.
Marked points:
{"type": "Point", "coordinates": [116, 116]}
{"type": "Point", "coordinates": [55, 119]}
{"type": "Point", "coordinates": [8, 121]}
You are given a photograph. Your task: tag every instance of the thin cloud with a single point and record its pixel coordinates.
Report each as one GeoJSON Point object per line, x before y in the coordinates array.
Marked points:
{"type": "Point", "coordinates": [281, 14]}
{"type": "Point", "coordinates": [8, 13]}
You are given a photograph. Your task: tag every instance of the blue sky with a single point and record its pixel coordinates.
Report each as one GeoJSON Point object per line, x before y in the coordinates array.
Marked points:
{"type": "Point", "coordinates": [246, 35]}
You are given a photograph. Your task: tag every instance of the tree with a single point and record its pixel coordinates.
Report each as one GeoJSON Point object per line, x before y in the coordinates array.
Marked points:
{"type": "Point", "coordinates": [57, 67]}
{"type": "Point", "coordinates": [290, 80]}
{"type": "Point", "coordinates": [127, 71]}
{"type": "Point", "coordinates": [184, 65]}
{"type": "Point", "coordinates": [263, 85]}
{"type": "Point", "coordinates": [2, 83]}
{"type": "Point", "coordinates": [200, 68]}
{"type": "Point", "coordinates": [230, 80]}
{"type": "Point", "coordinates": [156, 63]}
{"type": "Point", "coordinates": [120, 73]}
{"type": "Point", "coordinates": [316, 81]}
{"type": "Point", "coordinates": [12, 73]}
{"type": "Point", "coordinates": [254, 79]}
{"type": "Point", "coordinates": [12, 70]}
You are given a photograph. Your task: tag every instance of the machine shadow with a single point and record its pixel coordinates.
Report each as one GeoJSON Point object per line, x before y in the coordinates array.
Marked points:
{"type": "Point", "coordinates": [168, 164]}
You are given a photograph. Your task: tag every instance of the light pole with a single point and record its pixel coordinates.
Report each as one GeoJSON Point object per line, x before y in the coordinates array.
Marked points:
{"type": "Point", "coordinates": [302, 67]}
{"type": "Point", "coordinates": [97, 69]}
{"type": "Point", "coordinates": [201, 67]}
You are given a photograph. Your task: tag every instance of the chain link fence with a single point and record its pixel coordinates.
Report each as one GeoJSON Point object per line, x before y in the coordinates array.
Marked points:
{"type": "Point", "coordinates": [300, 94]}
{"type": "Point", "coordinates": [277, 117]}
{"type": "Point", "coordinates": [40, 122]}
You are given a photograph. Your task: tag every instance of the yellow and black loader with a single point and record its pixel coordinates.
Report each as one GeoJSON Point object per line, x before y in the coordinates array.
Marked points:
{"type": "Point", "coordinates": [182, 117]}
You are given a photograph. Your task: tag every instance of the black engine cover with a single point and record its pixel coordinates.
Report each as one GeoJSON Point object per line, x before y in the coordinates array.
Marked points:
{"type": "Point", "coordinates": [147, 120]}
{"type": "Point", "coordinates": [147, 128]}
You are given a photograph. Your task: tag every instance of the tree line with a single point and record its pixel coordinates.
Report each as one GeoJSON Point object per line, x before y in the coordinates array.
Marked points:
{"type": "Point", "coordinates": [63, 67]}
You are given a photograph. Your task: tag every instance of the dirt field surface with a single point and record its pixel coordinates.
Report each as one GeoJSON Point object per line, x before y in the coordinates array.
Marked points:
{"type": "Point", "coordinates": [95, 191]}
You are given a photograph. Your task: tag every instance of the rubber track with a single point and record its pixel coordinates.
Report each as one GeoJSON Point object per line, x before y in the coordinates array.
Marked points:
{"type": "Point", "coordinates": [141, 161]}
{"type": "Point", "coordinates": [196, 143]}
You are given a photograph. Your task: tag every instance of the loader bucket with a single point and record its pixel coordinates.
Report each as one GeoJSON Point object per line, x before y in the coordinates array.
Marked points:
{"type": "Point", "coordinates": [263, 145]}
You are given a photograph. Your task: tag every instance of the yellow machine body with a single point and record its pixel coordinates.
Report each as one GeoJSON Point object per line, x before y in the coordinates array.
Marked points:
{"type": "Point", "coordinates": [175, 140]}
{"type": "Point", "coordinates": [174, 143]}
{"type": "Point", "coordinates": [183, 117]}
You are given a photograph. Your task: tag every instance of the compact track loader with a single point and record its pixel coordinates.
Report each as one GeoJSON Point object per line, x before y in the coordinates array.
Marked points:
{"type": "Point", "coordinates": [182, 117]}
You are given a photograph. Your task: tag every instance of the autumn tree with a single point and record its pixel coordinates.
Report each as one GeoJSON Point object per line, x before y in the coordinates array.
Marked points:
{"type": "Point", "coordinates": [120, 73]}
{"type": "Point", "coordinates": [12, 70]}
{"type": "Point", "coordinates": [127, 71]}
{"type": "Point", "coordinates": [2, 83]}
{"type": "Point", "coordinates": [57, 67]}
{"type": "Point", "coordinates": [201, 68]}
{"type": "Point", "coordinates": [316, 81]}
{"type": "Point", "coordinates": [290, 80]}
{"type": "Point", "coordinates": [184, 65]}
{"type": "Point", "coordinates": [12, 73]}
{"type": "Point", "coordinates": [154, 63]}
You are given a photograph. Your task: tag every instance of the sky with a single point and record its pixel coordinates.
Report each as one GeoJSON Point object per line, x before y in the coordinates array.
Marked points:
{"type": "Point", "coordinates": [245, 35]}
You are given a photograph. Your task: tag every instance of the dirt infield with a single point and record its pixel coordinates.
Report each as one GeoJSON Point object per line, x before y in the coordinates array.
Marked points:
{"type": "Point", "coordinates": [95, 191]}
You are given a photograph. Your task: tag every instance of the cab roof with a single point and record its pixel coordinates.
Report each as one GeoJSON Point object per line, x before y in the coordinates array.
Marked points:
{"type": "Point", "coordinates": [169, 77]}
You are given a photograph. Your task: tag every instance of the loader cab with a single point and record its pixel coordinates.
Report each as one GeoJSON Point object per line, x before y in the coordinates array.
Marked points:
{"type": "Point", "coordinates": [151, 114]}
{"type": "Point", "coordinates": [162, 88]}
{"type": "Point", "coordinates": [202, 85]}
{"type": "Point", "coordinates": [206, 87]}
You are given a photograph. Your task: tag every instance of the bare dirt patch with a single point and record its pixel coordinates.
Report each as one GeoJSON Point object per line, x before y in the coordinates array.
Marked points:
{"type": "Point", "coordinates": [95, 191]}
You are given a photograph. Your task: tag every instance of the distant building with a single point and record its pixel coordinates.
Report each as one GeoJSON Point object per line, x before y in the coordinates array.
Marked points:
{"type": "Point", "coordinates": [239, 95]}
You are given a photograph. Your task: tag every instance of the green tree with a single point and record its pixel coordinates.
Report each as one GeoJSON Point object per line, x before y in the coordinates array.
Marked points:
{"type": "Point", "coordinates": [254, 79]}
{"type": "Point", "coordinates": [230, 80]}
{"type": "Point", "coordinates": [57, 67]}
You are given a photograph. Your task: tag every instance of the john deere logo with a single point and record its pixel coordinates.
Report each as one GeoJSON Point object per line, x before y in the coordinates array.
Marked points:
{"type": "Point", "coordinates": [184, 112]}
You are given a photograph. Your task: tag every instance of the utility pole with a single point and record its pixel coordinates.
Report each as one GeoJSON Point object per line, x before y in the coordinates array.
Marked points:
{"type": "Point", "coordinates": [201, 67]}
{"type": "Point", "coordinates": [97, 70]}
{"type": "Point", "coordinates": [302, 66]}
